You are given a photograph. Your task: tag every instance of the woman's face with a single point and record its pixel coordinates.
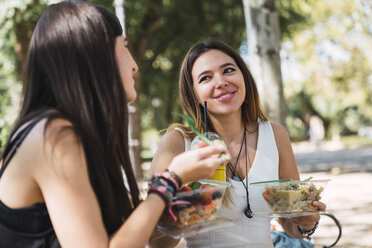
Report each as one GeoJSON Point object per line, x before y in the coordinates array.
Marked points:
{"type": "Point", "coordinates": [218, 80]}
{"type": "Point", "coordinates": [127, 67]}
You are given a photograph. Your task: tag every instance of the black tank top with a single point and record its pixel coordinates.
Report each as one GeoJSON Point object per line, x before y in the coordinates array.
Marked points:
{"type": "Point", "coordinates": [28, 227]}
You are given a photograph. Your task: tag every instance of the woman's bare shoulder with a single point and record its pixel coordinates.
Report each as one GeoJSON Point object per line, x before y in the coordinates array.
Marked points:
{"type": "Point", "coordinates": [173, 139]}
{"type": "Point", "coordinates": [277, 127]}
{"type": "Point", "coordinates": [54, 148]}
{"type": "Point", "coordinates": [43, 134]}
{"type": "Point", "coordinates": [171, 144]}
{"type": "Point", "coordinates": [280, 132]}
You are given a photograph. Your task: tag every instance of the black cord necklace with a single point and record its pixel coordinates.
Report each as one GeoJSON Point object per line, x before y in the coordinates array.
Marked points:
{"type": "Point", "coordinates": [247, 210]}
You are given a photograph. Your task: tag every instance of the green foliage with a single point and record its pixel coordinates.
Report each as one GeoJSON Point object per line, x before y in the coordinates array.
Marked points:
{"type": "Point", "coordinates": [295, 16]}
{"type": "Point", "coordinates": [178, 25]}
{"type": "Point", "coordinates": [17, 21]}
{"type": "Point", "coordinates": [336, 86]}
{"type": "Point", "coordinates": [332, 58]}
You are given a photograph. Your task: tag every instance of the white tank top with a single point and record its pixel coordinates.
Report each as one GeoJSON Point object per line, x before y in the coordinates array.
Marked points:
{"type": "Point", "coordinates": [254, 232]}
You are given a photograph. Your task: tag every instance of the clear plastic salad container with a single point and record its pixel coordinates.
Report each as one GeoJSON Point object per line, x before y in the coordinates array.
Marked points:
{"type": "Point", "coordinates": [291, 198]}
{"type": "Point", "coordinates": [195, 207]}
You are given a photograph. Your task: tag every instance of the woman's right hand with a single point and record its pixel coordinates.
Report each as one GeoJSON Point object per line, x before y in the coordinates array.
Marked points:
{"type": "Point", "coordinates": [199, 163]}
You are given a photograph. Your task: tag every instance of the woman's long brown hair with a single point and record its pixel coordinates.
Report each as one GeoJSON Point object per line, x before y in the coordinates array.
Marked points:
{"type": "Point", "coordinates": [251, 108]}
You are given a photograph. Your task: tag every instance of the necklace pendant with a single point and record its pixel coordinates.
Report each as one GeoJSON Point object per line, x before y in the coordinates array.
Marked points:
{"type": "Point", "coordinates": [248, 213]}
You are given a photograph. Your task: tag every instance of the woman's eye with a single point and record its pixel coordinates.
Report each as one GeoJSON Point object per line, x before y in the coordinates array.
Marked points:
{"type": "Point", "coordinates": [204, 78]}
{"type": "Point", "coordinates": [229, 69]}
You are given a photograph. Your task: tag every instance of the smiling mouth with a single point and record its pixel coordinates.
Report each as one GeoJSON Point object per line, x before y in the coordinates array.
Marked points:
{"type": "Point", "coordinates": [226, 95]}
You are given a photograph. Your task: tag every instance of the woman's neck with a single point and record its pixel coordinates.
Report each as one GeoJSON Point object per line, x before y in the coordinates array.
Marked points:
{"type": "Point", "coordinates": [229, 127]}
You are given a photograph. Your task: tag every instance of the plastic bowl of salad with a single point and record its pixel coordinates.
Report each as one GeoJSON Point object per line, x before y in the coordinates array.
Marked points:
{"type": "Point", "coordinates": [198, 202]}
{"type": "Point", "coordinates": [194, 209]}
{"type": "Point", "coordinates": [291, 198]}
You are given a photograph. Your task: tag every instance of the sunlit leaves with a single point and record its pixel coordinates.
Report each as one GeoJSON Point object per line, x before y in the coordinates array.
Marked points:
{"type": "Point", "coordinates": [334, 58]}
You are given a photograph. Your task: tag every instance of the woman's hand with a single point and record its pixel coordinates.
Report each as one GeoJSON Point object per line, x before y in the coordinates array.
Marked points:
{"type": "Point", "coordinates": [198, 163]}
{"type": "Point", "coordinates": [308, 222]}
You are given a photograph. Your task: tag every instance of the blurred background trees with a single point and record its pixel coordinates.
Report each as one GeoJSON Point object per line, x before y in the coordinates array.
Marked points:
{"type": "Point", "coordinates": [17, 21]}
{"type": "Point", "coordinates": [326, 58]}
{"type": "Point", "coordinates": [329, 68]}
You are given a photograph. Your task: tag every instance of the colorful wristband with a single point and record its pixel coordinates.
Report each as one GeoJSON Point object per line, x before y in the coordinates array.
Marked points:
{"type": "Point", "coordinates": [165, 185]}
{"type": "Point", "coordinates": [174, 178]}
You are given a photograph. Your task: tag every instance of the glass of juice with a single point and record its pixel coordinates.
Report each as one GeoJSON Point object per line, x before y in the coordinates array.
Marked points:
{"type": "Point", "coordinates": [220, 173]}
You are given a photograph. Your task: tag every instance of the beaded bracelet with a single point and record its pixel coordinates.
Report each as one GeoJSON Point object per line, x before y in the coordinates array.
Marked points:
{"type": "Point", "coordinates": [165, 185]}
{"type": "Point", "coordinates": [307, 233]}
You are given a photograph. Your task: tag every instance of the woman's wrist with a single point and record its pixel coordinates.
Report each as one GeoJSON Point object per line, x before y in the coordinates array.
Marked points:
{"type": "Point", "coordinates": [173, 168]}
{"type": "Point", "coordinates": [176, 178]}
{"type": "Point", "coordinates": [165, 185]}
{"type": "Point", "coordinates": [307, 233]}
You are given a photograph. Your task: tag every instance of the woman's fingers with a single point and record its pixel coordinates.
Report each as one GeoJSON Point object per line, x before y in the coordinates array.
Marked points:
{"type": "Point", "coordinates": [202, 144]}
{"type": "Point", "coordinates": [201, 163]}
{"type": "Point", "coordinates": [215, 161]}
{"type": "Point", "coordinates": [215, 149]}
{"type": "Point", "coordinates": [319, 205]}
{"type": "Point", "coordinates": [309, 219]}
{"type": "Point", "coordinates": [307, 222]}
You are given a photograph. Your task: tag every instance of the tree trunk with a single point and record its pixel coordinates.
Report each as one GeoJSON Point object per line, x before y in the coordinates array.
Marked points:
{"type": "Point", "coordinates": [263, 34]}
{"type": "Point", "coordinates": [22, 27]}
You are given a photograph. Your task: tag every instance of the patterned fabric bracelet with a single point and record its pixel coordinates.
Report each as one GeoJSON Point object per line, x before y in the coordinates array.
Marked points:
{"type": "Point", "coordinates": [307, 233]}
{"type": "Point", "coordinates": [161, 187]}
{"type": "Point", "coordinates": [165, 185]}
{"type": "Point", "coordinates": [173, 177]}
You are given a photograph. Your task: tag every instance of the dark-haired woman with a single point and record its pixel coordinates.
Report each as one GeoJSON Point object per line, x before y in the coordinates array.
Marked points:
{"type": "Point", "coordinates": [260, 150]}
{"type": "Point", "coordinates": [63, 166]}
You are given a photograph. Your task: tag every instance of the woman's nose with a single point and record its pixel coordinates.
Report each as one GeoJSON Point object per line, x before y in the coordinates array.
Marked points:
{"type": "Point", "coordinates": [220, 81]}
{"type": "Point", "coordinates": [135, 66]}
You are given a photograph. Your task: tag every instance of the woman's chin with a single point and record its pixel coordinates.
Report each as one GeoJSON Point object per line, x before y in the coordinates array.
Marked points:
{"type": "Point", "coordinates": [226, 111]}
{"type": "Point", "coordinates": [131, 97]}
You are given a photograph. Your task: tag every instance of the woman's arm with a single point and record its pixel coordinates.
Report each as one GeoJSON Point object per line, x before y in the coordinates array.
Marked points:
{"type": "Point", "coordinates": [287, 162]}
{"type": "Point", "coordinates": [170, 146]}
{"type": "Point", "coordinates": [62, 175]}
{"type": "Point", "coordinates": [288, 169]}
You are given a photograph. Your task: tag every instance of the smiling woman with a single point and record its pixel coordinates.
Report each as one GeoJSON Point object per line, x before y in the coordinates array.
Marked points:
{"type": "Point", "coordinates": [218, 81]}
{"type": "Point", "coordinates": [260, 150]}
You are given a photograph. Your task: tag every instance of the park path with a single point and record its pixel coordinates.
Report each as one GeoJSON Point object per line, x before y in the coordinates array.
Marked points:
{"type": "Point", "coordinates": [349, 197]}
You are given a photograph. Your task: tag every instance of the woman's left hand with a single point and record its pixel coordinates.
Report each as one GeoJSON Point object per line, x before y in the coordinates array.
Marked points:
{"type": "Point", "coordinates": [308, 222]}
